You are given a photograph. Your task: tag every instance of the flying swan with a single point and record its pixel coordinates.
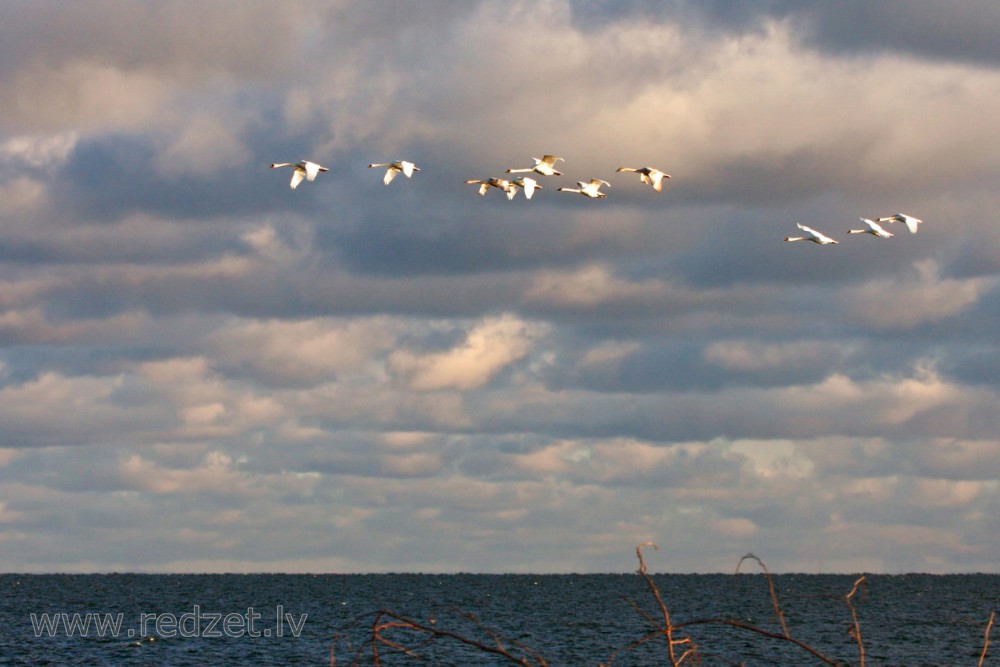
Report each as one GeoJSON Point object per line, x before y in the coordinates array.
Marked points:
{"type": "Point", "coordinates": [546, 166]}
{"type": "Point", "coordinates": [591, 189]}
{"type": "Point", "coordinates": [305, 169]}
{"type": "Point", "coordinates": [648, 175]}
{"type": "Point", "coordinates": [873, 228]}
{"type": "Point", "coordinates": [911, 222]}
{"type": "Point", "coordinates": [526, 183]}
{"type": "Point", "coordinates": [492, 182]}
{"type": "Point", "coordinates": [394, 168]}
{"type": "Point", "coordinates": [811, 235]}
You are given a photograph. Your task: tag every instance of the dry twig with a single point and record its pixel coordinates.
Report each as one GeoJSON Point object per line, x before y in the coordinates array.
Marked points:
{"type": "Point", "coordinates": [855, 626]}
{"type": "Point", "coordinates": [398, 634]}
{"type": "Point", "coordinates": [385, 622]}
{"type": "Point", "coordinates": [986, 641]}
{"type": "Point", "coordinates": [668, 628]}
{"type": "Point", "coordinates": [774, 596]}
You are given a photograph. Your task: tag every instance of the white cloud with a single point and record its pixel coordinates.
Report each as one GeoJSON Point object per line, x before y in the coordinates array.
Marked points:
{"type": "Point", "coordinates": [214, 473]}
{"type": "Point", "coordinates": [909, 300]}
{"type": "Point", "coordinates": [39, 151]}
{"type": "Point", "coordinates": [205, 145]}
{"type": "Point", "coordinates": [756, 356]}
{"type": "Point", "coordinates": [306, 351]}
{"type": "Point", "coordinates": [588, 287]}
{"type": "Point", "coordinates": [490, 346]}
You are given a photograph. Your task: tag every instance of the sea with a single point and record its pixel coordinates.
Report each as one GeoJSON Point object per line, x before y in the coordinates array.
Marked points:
{"type": "Point", "coordinates": [151, 620]}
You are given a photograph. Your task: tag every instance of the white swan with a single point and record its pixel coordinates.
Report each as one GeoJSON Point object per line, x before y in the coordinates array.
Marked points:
{"type": "Point", "coordinates": [305, 169]}
{"type": "Point", "coordinates": [545, 166]}
{"type": "Point", "coordinates": [590, 189]}
{"type": "Point", "coordinates": [393, 168]}
{"type": "Point", "coordinates": [911, 222]}
{"type": "Point", "coordinates": [811, 235]}
{"type": "Point", "coordinates": [874, 229]}
{"type": "Point", "coordinates": [648, 175]}
{"type": "Point", "coordinates": [492, 182]}
{"type": "Point", "coordinates": [526, 183]}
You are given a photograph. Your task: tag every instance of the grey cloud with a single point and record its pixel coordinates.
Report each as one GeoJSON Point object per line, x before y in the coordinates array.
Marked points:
{"type": "Point", "coordinates": [180, 38]}
{"type": "Point", "coordinates": [926, 29]}
{"type": "Point", "coordinates": [923, 28]}
{"type": "Point", "coordinates": [183, 334]}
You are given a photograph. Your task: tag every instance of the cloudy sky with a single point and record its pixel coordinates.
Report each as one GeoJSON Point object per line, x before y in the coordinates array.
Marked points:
{"type": "Point", "coordinates": [204, 370]}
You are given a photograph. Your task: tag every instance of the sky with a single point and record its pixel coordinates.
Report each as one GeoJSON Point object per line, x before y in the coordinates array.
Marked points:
{"type": "Point", "coordinates": [203, 370]}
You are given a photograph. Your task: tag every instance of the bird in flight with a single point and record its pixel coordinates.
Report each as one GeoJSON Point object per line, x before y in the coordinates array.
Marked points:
{"type": "Point", "coordinates": [648, 175]}
{"type": "Point", "coordinates": [546, 166]}
{"type": "Point", "coordinates": [303, 170]}
{"type": "Point", "coordinates": [394, 168]}
{"type": "Point", "coordinates": [492, 182]}
{"type": "Point", "coordinates": [910, 222]}
{"type": "Point", "coordinates": [590, 189]}
{"type": "Point", "coordinates": [872, 228]}
{"type": "Point", "coordinates": [811, 235]}
{"type": "Point", "coordinates": [526, 183]}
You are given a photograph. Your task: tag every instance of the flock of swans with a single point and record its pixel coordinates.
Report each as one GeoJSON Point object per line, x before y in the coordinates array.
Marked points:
{"type": "Point", "coordinates": [546, 166]}
{"type": "Point", "coordinates": [871, 227]}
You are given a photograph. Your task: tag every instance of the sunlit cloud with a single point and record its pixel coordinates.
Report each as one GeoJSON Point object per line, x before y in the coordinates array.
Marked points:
{"type": "Point", "coordinates": [202, 369]}
{"type": "Point", "coordinates": [488, 348]}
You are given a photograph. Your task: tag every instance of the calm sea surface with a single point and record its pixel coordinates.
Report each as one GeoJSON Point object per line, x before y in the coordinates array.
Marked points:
{"type": "Point", "coordinates": [166, 620]}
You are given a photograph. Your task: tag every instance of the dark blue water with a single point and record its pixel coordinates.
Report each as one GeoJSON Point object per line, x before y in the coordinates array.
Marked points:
{"type": "Point", "coordinates": [167, 620]}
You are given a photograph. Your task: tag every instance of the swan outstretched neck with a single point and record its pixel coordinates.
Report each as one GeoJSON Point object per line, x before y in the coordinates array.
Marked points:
{"type": "Point", "coordinates": [910, 222]}
{"type": "Point", "coordinates": [526, 183]}
{"type": "Point", "coordinates": [544, 166]}
{"type": "Point", "coordinates": [648, 175]}
{"type": "Point", "coordinates": [811, 235]}
{"type": "Point", "coordinates": [302, 170]}
{"type": "Point", "coordinates": [493, 182]}
{"type": "Point", "coordinates": [591, 188]}
{"type": "Point", "coordinates": [872, 228]}
{"type": "Point", "coordinates": [394, 168]}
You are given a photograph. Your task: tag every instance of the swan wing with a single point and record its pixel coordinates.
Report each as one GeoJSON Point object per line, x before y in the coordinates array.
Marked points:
{"type": "Point", "coordinates": [877, 229]}
{"type": "Point", "coordinates": [297, 177]}
{"type": "Point", "coordinates": [312, 170]}
{"type": "Point", "coordinates": [813, 234]}
{"type": "Point", "coordinates": [530, 185]}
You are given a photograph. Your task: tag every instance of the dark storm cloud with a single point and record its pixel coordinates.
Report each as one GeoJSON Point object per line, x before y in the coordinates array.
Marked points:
{"type": "Point", "coordinates": [115, 176]}
{"type": "Point", "coordinates": [963, 32]}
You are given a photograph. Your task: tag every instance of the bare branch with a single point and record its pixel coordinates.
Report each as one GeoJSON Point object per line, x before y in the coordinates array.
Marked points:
{"type": "Point", "coordinates": [774, 595]}
{"type": "Point", "coordinates": [855, 626]}
{"type": "Point", "coordinates": [668, 628]}
{"type": "Point", "coordinates": [986, 642]}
